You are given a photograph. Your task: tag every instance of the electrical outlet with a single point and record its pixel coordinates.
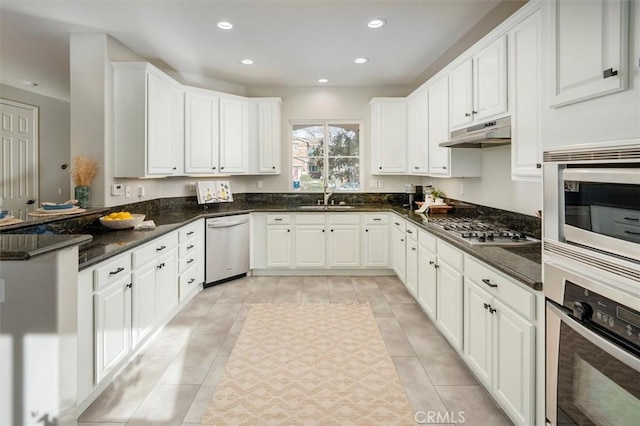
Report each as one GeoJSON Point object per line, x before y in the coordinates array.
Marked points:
{"type": "Point", "coordinates": [127, 192]}
{"type": "Point", "coordinates": [373, 184]}
{"type": "Point", "coordinates": [192, 187]}
{"type": "Point", "coordinates": [380, 183]}
{"type": "Point", "coordinates": [259, 184]}
{"type": "Point", "coordinates": [140, 191]}
{"type": "Point", "coordinates": [461, 189]}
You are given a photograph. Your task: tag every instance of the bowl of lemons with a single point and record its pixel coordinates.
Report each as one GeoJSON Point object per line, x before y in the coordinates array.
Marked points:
{"type": "Point", "coordinates": [121, 220]}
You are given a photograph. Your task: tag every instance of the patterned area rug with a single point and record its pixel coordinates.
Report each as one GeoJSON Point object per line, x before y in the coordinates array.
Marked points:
{"type": "Point", "coordinates": [309, 364]}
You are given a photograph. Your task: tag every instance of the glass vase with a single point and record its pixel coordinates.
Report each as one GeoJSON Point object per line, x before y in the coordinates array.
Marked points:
{"type": "Point", "coordinates": [83, 196]}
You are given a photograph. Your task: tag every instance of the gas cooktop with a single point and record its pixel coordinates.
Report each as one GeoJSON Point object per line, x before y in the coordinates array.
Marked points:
{"type": "Point", "coordinates": [476, 232]}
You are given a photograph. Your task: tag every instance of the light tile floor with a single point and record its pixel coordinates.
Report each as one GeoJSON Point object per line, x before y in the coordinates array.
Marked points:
{"type": "Point", "coordinates": [173, 379]}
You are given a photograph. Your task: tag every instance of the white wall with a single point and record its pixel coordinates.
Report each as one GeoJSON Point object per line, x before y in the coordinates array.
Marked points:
{"type": "Point", "coordinates": [53, 124]}
{"type": "Point", "coordinates": [495, 188]}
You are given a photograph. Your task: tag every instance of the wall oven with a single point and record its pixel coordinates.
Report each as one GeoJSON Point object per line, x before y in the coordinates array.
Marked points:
{"type": "Point", "coordinates": [593, 350]}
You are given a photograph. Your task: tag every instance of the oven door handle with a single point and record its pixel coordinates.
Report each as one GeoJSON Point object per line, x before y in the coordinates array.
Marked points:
{"type": "Point", "coordinates": [602, 343]}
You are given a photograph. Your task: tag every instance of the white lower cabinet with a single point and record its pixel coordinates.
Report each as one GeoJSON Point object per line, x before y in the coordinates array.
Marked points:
{"type": "Point", "coordinates": [398, 248]}
{"type": "Point", "coordinates": [427, 273]}
{"type": "Point", "coordinates": [310, 241]}
{"type": "Point", "coordinates": [144, 305]}
{"type": "Point", "coordinates": [191, 258]}
{"type": "Point", "coordinates": [411, 261]}
{"type": "Point", "coordinates": [449, 301]}
{"type": "Point", "coordinates": [375, 238]}
{"type": "Point", "coordinates": [112, 309]}
{"type": "Point", "coordinates": [343, 244]}
{"type": "Point", "coordinates": [499, 342]}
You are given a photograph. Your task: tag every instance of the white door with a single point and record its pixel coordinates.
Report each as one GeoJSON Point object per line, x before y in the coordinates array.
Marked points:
{"type": "Point", "coordinates": [161, 127]}
{"type": "Point", "coordinates": [201, 133]}
{"type": "Point", "coordinates": [344, 246]}
{"type": "Point", "coordinates": [234, 137]}
{"type": "Point", "coordinates": [389, 137]}
{"type": "Point", "coordinates": [411, 274]}
{"type": "Point", "coordinates": [376, 246]}
{"type": "Point", "coordinates": [19, 158]}
{"type": "Point", "coordinates": [398, 254]}
{"type": "Point", "coordinates": [438, 128]}
{"type": "Point", "coordinates": [478, 330]}
{"type": "Point", "coordinates": [417, 133]}
{"type": "Point", "coordinates": [269, 137]}
{"type": "Point", "coordinates": [278, 246]}
{"type": "Point", "coordinates": [461, 95]}
{"type": "Point", "coordinates": [310, 246]}
{"type": "Point", "coordinates": [490, 81]}
{"type": "Point", "coordinates": [144, 302]}
{"type": "Point", "coordinates": [167, 284]}
{"type": "Point", "coordinates": [450, 303]}
{"type": "Point", "coordinates": [427, 281]}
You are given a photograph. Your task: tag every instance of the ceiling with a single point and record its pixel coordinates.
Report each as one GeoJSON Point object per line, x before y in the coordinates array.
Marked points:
{"type": "Point", "coordinates": [292, 42]}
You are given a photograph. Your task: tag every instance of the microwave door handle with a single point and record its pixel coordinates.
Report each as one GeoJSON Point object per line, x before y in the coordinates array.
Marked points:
{"type": "Point", "coordinates": [613, 350]}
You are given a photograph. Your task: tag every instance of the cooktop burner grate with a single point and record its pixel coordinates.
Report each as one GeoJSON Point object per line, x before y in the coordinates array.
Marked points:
{"type": "Point", "coordinates": [474, 231]}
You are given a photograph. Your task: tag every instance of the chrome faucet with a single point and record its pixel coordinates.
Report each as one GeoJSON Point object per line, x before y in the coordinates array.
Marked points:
{"type": "Point", "coordinates": [327, 194]}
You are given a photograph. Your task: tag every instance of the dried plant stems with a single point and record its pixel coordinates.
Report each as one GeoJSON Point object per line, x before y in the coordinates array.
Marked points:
{"type": "Point", "coordinates": [84, 170]}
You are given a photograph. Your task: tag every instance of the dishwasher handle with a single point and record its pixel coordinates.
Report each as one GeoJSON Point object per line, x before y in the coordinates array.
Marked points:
{"type": "Point", "coordinates": [227, 224]}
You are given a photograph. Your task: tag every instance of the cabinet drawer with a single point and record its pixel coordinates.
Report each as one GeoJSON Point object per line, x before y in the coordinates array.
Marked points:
{"type": "Point", "coordinates": [375, 219]}
{"type": "Point", "coordinates": [111, 271]}
{"type": "Point", "coordinates": [506, 290]}
{"type": "Point", "coordinates": [185, 249]}
{"type": "Point", "coordinates": [155, 248]}
{"type": "Point", "coordinates": [343, 219]}
{"type": "Point", "coordinates": [189, 231]}
{"type": "Point", "coordinates": [187, 262]}
{"type": "Point", "coordinates": [310, 219]}
{"type": "Point", "coordinates": [278, 219]}
{"type": "Point", "coordinates": [398, 224]}
{"type": "Point", "coordinates": [412, 232]}
{"type": "Point", "coordinates": [427, 241]}
{"type": "Point", "coordinates": [188, 280]}
{"type": "Point", "coordinates": [450, 255]}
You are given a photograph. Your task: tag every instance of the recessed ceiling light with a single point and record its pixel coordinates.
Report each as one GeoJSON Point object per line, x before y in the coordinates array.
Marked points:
{"type": "Point", "coordinates": [30, 83]}
{"type": "Point", "coordinates": [376, 23]}
{"type": "Point", "coordinates": [361, 60]}
{"type": "Point", "coordinates": [247, 61]}
{"type": "Point", "coordinates": [323, 80]}
{"type": "Point", "coordinates": [224, 25]}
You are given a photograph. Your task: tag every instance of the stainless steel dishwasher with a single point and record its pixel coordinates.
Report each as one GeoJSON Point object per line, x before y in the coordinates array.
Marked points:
{"type": "Point", "coordinates": [227, 248]}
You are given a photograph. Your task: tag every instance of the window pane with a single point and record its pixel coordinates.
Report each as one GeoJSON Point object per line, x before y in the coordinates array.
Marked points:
{"type": "Point", "coordinates": [344, 174]}
{"type": "Point", "coordinates": [344, 140]}
{"type": "Point", "coordinates": [308, 173]}
{"type": "Point", "coordinates": [308, 140]}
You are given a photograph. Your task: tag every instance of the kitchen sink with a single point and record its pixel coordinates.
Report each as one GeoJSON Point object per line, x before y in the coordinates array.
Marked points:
{"type": "Point", "coordinates": [322, 208]}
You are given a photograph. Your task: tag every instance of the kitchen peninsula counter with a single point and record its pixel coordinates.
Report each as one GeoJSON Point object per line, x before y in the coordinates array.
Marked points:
{"type": "Point", "coordinates": [522, 263]}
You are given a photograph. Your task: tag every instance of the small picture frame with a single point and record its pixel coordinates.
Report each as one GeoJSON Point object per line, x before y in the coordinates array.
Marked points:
{"type": "Point", "coordinates": [218, 191]}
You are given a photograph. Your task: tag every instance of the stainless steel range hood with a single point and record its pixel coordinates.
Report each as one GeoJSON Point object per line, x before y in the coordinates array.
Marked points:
{"type": "Point", "coordinates": [490, 133]}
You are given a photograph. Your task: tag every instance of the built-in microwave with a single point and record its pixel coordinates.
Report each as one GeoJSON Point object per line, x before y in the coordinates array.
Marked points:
{"type": "Point", "coordinates": [592, 200]}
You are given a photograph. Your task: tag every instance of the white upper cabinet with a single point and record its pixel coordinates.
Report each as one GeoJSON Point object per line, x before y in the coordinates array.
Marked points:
{"type": "Point", "coordinates": [524, 98]}
{"type": "Point", "coordinates": [589, 50]}
{"type": "Point", "coordinates": [418, 133]}
{"type": "Point", "coordinates": [388, 136]}
{"type": "Point", "coordinates": [447, 162]}
{"type": "Point", "coordinates": [264, 135]}
{"type": "Point", "coordinates": [234, 135]}
{"type": "Point", "coordinates": [201, 132]}
{"type": "Point", "coordinates": [148, 121]}
{"type": "Point", "coordinates": [478, 87]}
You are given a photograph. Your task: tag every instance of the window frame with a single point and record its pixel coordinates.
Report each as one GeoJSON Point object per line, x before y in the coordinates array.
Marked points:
{"type": "Point", "coordinates": [325, 154]}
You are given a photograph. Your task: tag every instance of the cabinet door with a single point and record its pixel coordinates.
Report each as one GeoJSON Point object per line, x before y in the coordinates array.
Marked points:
{"type": "Point", "coordinates": [514, 369]}
{"type": "Point", "coordinates": [278, 246]}
{"type": "Point", "coordinates": [450, 303]}
{"type": "Point", "coordinates": [376, 246]}
{"type": "Point", "coordinates": [112, 307]}
{"type": "Point", "coordinates": [490, 81]}
{"type": "Point", "coordinates": [144, 302]}
{"type": "Point", "coordinates": [234, 139]}
{"type": "Point", "coordinates": [163, 121]}
{"type": "Point", "coordinates": [344, 246]}
{"type": "Point", "coordinates": [427, 284]}
{"type": "Point", "coordinates": [269, 137]}
{"type": "Point", "coordinates": [588, 49]}
{"type": "Point", "coordinates": [167, 284]}
{"type": "Point", "coordinates": [438, 128]}
{"type": "Point", "coordinates": [201, 133]}
{"type": "Point", "coordinates": [524, 98]}
{"type": "Point", "coordinates": [310, 246]}
{"type": "Point", "coordinates": [398, 254]}
{"type": "Point", "coordinates": [388, 137]}
{"type": "Point", "coordinates": [418, 133]}
{"type": "Point", "coordinates": [411, 274]}
{"type": "Point", "coordinates": [478, 330]}
{"type": "Point", "coordinates": [461, 95]}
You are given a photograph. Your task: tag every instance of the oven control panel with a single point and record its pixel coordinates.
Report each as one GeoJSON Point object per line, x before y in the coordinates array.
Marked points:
{"type": "Point", "coordinates": [617, 319]}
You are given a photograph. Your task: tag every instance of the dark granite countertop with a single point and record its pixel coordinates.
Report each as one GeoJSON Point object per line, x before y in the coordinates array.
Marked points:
{"type": "Point", "coordinates": [26, 246]}
{"type": "Point", "coordinates": [520, 263]}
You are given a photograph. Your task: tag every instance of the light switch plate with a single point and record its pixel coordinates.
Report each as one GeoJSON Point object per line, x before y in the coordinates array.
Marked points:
{"type": "Point", "coordinates": [117, 189]}
{"type": "Point", "coordinates": [127, 192]}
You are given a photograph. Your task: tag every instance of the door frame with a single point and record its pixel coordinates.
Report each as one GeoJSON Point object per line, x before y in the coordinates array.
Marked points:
{"type": "Point", "coordinates": [35, 110]}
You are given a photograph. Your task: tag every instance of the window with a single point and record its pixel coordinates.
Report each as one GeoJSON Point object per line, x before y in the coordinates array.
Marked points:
{"type": "Point", "coordinates": [336, 164]}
